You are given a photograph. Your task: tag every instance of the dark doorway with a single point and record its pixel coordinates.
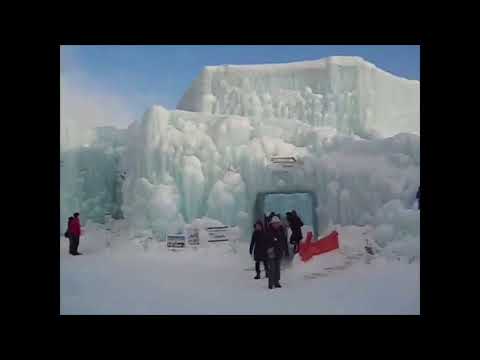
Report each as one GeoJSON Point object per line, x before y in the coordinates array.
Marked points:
{"type": "Point", "coordinates": [304, 202]}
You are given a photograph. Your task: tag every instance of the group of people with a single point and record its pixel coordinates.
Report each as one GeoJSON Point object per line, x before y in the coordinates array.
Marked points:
{"type": "Point", "coordinates": [73, 233]}
{"type": "Point", "coordinates": [269, 244]}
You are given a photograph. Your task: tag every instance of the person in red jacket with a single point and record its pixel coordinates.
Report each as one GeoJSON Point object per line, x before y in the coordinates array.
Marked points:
{"type": "Point", "coordinates": [74, 231]}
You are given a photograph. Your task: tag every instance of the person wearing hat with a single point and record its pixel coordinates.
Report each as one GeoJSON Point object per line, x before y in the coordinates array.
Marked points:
{"type": "Point", "coordinates": [258, 246]}
{"type": "Point", "coordinates": [277, 247]}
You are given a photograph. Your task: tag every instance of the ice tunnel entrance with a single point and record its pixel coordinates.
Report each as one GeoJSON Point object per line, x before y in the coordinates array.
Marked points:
{"type": "Point", "coordinates": [303, 202]}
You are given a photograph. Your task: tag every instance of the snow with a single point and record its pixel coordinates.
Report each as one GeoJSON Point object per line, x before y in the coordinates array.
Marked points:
{"type": "Point", "coordinates": [354, 132]}
{"type": "Point", "coordinates": [127, 279]}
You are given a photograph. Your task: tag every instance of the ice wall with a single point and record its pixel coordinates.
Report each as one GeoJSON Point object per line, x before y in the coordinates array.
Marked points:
{"type": "Point", "coordinates": [183, 165]}
{"type": "Point", "coordinates": [91, 177]}
{"type": "Point", "coordinates": [347, 93]}
{"type": "Point", "coordinates": [170, 168]}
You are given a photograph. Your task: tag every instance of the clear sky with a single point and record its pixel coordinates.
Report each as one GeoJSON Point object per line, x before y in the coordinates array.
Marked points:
{"type": "Point", "coordinates": [147, 75]}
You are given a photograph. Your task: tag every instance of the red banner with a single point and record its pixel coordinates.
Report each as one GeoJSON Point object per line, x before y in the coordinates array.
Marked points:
{"type": "Point", "coordinates": [309, 248]}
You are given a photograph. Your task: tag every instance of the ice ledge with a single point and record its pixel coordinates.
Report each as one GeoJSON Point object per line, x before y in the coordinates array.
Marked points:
{"type": "Point", "coordinates": [300, 65]}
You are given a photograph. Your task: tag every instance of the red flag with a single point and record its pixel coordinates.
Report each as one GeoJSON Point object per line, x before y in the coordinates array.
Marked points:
{"type": "Point", "coordinates": [308, 249]}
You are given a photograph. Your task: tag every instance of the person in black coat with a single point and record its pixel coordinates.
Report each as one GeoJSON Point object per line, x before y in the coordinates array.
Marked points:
{"type": "Point", "coordinates": [68, 235]}
{"type": "Point", "coordinates": [258, 246]}
{"type": "Point", "coordinates": [295, 224]}
{"type": "Point", "coordinates": [277, 247]}
{"type": "Point", "coordinates": [269, 218]}
{"type": "Point", "coordinates": [418, 197]}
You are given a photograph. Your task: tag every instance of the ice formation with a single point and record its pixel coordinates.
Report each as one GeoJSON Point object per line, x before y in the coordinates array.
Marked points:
{"type": "Point", "coordinates": [397, 230]}
{"type": "Point", "coordinates": [91, 177]}
{"type": "Point", "coordinates": [347, 93]}
{"type": "Point", "coordinates": [219, 176]}
{"type": "Point", "coordinates": [333, 115]}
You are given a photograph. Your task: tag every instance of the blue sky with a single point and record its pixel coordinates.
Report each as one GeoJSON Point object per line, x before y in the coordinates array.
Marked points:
{"type": "Point", "coordinates": [147, 75]}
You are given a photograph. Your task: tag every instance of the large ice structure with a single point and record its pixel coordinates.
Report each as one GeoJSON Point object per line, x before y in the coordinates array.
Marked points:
{"type": "Point", "coordinates": [347, 93]}
{"type": "Point", "coordinates": [185, 165]}
{"type": "Point", "coordinates": [332, 115]}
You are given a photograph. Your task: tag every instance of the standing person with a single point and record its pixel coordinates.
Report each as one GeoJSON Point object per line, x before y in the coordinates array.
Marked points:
{"type": "Point", "coordinates": [289, 218]}
{"type": "Point", "coordinates": [270, 217]}
{"type": "Point", "coordinates": [284, 225]}
{"type": "Point", "coordinates": [277, 247]}
{"type": "Point", "coordinates": [258, 247]}
{"type": "Point", "coordinates": [68, 235]}
{"type": "Point", "coordinates": [74, 230]}
{"type": "Point", "coordinates": [295, 224]}
{"type": "Point", "coordinates": [266, 221]}
{"type": "Point", "coordinates": [418, 197]}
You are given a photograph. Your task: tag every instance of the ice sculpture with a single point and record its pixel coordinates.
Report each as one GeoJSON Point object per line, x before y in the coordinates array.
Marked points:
{"type": "Point", "coordinates": [347, 93]}
{"type": "Point", "coordinates": [170, 168]}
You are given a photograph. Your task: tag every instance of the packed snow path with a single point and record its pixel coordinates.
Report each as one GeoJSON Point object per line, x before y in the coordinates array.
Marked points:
{"type": "Point", "coordinates": [126, 279]}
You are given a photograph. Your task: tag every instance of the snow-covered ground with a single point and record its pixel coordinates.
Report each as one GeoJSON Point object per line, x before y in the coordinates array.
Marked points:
{"type": "Point", "coordinates": [130, 279]}
{"type": "Point", "coordinates": [353, 131]}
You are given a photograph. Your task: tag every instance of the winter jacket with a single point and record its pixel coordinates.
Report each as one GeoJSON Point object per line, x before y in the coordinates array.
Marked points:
{"type": "Point", "coordinates": [74, 227]}
{"type": "Point", "coordinates": [259, 245]}
{"type": "Point", "coordinates": [269, 218]}
{"type": "Point", "coordinates": [418, 197]}
{"type": "Point", "coordinates": [67, 232]}
{"type": "Point", "coordinates": [296, 226]}
{"type": "Point", "coordinates": [296, 237]}
{"type": "Point", "coordinates": [277, 239]}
